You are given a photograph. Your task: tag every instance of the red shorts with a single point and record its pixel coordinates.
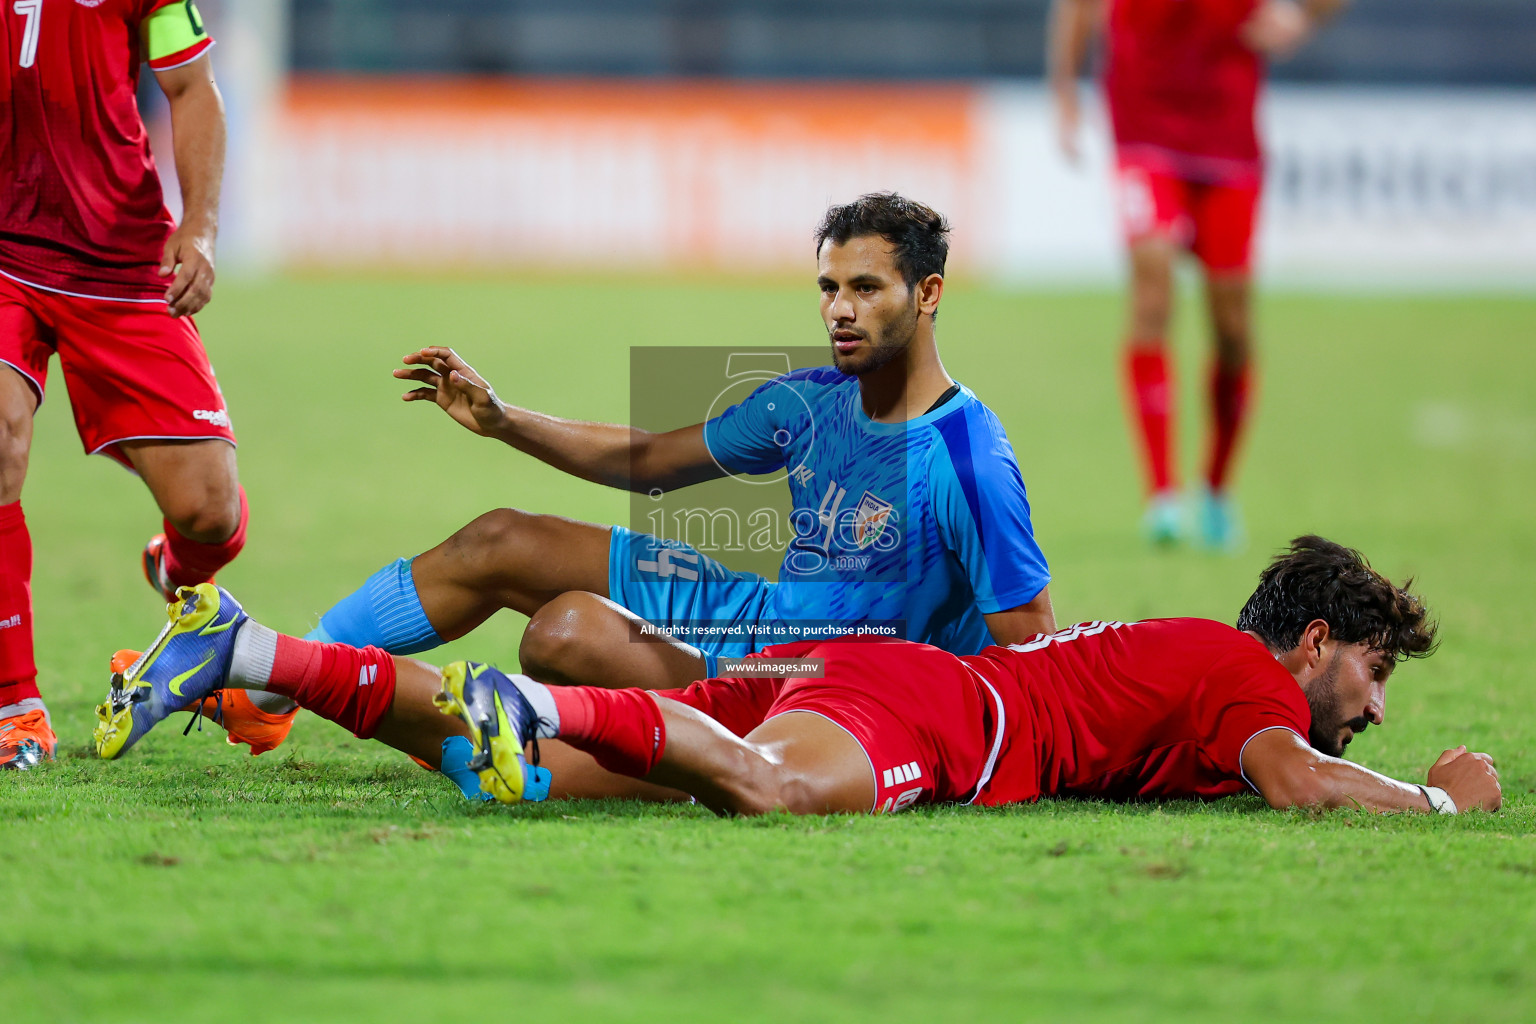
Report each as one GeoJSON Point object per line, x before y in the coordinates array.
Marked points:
{"type": "Point", "coordinates": [133, 371]}
{"type": "Point", "coordinates": [928, 723]}
{"type": "Point", "coordinates": [1213, 221]}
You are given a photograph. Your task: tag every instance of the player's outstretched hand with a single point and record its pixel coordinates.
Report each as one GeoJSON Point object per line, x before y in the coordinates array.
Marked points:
{"type": "Point", "coordinates": [1277, 29]}
{"type": "Point", "coordinates": [456, 388]}
{"type": "Point", "coordinates": [1470, 779]}
{"type": "Point", "coordinates": [189, 255]}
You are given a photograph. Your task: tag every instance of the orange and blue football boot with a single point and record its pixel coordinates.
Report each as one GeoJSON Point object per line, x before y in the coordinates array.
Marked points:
{"type": "Point", "coordinates": [244, 721]}
{"type": "Point", "coordinates": [187, 662]}
{"type": "Point", "coordinates": [501, 723]}
{"type": "Point", "coordinates": [26, 740]}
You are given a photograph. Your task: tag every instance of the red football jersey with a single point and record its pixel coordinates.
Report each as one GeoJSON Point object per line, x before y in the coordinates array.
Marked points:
{"type": "Point", "coordinates": [1182, 86]}
{"type": "Point", "coordinates": [81, 209]}
{"type": "Point", "coordinates": [1152, 709]}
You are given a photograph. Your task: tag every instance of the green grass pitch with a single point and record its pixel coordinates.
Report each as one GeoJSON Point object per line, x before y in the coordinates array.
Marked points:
{"type": "Point", "coordinates": [333, 880]}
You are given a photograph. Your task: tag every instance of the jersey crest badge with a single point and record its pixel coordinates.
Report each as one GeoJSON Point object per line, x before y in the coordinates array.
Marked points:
{"type": "Point", "coordinates": [90, 3]}
{"type": "Point", "coordinates": [871, 518]}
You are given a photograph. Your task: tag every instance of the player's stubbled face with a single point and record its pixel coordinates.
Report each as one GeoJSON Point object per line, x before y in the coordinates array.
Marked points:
{"type": "Point", "coordinates": [1349, 696]}
{"type": "Point", "coordinates": [870, 313]}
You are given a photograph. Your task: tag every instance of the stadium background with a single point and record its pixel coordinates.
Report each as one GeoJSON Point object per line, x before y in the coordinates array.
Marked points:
{"type": "Point", "coordinates": [1402, 142]}
{"type": "Point", "coordinates": [545, 184]}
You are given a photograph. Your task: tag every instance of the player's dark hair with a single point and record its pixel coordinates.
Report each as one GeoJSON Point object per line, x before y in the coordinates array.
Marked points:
{"type": "Point", "coordinates": [1318, 579]}
{"type": "Point", "coordinates": [919, 233]}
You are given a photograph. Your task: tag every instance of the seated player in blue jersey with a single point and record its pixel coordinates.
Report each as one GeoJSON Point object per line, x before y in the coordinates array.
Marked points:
{"type": "Point", "coordinates": [915, 505]}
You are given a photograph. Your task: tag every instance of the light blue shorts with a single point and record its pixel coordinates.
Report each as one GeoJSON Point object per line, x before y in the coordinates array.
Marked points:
{"type": "Point", "coordinates": [688, 594]}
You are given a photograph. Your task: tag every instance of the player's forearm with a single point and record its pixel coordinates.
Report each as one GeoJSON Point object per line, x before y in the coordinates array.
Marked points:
{"type": "Point", "coordinates": [1071, 30]}
{"type": "Point", "coordinates": [603, 453]}
{"type": "Point", "coordinates": [198, 135]}
{"type": "Point", "coordinates": [1331, 782]}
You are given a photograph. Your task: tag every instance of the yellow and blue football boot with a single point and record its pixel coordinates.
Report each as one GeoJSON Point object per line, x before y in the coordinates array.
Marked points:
{"type": "Point", "coordinates": [187, 662]}
{"type": "Point", "coordinates": [502, 723]}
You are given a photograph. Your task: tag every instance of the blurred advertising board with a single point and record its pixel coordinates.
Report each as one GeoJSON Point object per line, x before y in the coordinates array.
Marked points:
{"type": "Point", "coordinates": [613, 173]}
{"type": "Point", "coordinates": [1421, 186]}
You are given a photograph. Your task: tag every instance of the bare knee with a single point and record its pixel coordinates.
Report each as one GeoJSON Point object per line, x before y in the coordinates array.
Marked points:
{"type": "Point", "coordinates": [15, 443]}
{"type": "Point", "coordinates": [1233, 348]}
{"type": "Point", "coordinates": [753, 792]}
{"type": "Point", "coordinates": [559, 636]}
{"type": "Point", "coordinates": [799, 795]}
{"type": "Point", "coordinates": [1234, 340]}
{"type": "Point", "coordinates": [1151, 291]}
{"type": "Point", "coordinates": [763, 788]}
{"type": "Point", "coordinates": [207, 511]}
{"type": "Point", "coordinates": [1150, 311]}
{"type": "Point", "coordinates": [1231, 324]}
{"type": "Point", "coordinates": [500, 539]}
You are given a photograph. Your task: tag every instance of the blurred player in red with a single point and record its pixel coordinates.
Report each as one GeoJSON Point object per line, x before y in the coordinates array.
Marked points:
{"type": "Point", "coordinates": [1182, 80]}
{"type": "Point", "coordinates": [94, 269]}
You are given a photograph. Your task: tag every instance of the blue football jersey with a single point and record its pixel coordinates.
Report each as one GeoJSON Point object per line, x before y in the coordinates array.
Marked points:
{"type": "Point", "coordinates": [923, 523]}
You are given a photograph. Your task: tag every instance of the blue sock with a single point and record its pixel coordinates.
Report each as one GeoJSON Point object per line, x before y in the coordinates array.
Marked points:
{"type": "Point", "coordinates": [457, 752]}
{"type": "Point", "coordinates": [383, 612]}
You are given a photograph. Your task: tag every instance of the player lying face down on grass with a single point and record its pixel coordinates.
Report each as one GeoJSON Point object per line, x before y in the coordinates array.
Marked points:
{"type": "Point", "coordinates": [1160, 709]}
{"type": "Point", "coordinates": [884, 421]}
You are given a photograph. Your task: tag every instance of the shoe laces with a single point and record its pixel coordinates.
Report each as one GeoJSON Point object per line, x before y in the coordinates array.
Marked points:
{"type": "Point", "coordinates": [217, 696]}
{"type": "Point", "coordinates": [28, 724]}
{"type": "Point", "coordinates": [533, 741]}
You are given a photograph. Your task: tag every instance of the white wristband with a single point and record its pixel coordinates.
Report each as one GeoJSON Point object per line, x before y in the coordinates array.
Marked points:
{"type": "Point", "coordinates": [1439, 800]}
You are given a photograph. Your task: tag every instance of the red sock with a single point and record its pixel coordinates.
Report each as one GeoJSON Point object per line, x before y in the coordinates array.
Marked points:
{"type": "Point", "coordinates": [189, 562]}
{"type": "Point", "coordinates": [350, 686]}
{"type": "Point", "coordinates": [621, 729]}
{"type": "Point", "coordinates": [18, 671]}
{"type": "Point", "coordinates": [1148, 375]}
{"type": "Point", "coordinates": [1229, 388]}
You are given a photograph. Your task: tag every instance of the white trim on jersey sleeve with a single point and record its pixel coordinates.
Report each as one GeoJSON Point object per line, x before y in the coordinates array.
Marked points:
{"type": "Point", "coordinates": [1249, 740]}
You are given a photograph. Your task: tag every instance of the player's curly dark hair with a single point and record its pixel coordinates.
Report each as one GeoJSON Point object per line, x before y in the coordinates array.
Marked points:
{"type": "Point", "coordinates": [919, 233]}
{"type": "Point", "coordinates": [1318, 579]}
